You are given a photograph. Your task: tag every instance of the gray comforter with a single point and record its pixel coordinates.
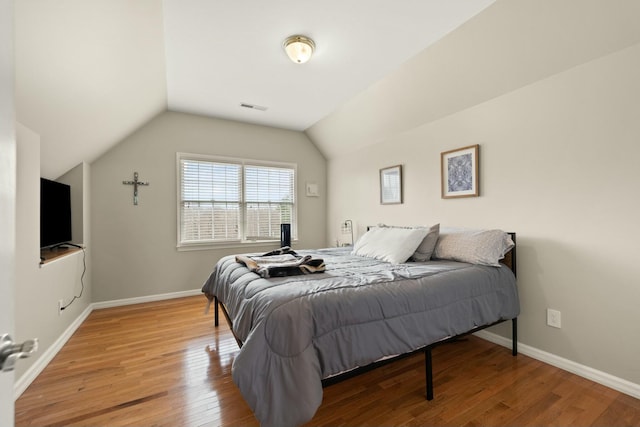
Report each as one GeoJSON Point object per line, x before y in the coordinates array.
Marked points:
{"type": "Point", "coordinates": [298, 330]}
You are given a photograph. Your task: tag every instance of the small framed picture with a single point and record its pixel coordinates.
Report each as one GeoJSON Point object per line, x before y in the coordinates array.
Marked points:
{"type": "Point", "coordinates": [391, 185]}
{"type": "Point", "coordinates": [459, 169]}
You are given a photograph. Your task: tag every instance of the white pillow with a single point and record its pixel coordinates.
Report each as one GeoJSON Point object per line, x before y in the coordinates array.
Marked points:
{"type": "Point", "coordinates": [485, 247]}
{"type": "Point", "coordinates": [394, 245]}
{"type": "Point", "coordinates": [425, 249]}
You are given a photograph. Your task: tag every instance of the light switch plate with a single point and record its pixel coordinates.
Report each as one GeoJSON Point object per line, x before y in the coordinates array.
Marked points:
{"type": "Point", "coordinates": [312, 189]}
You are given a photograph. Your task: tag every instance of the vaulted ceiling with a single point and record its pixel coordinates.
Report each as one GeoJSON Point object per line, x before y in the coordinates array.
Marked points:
{"type": "Point", "coordinates": [90, 73]}
{"type": "Point", "coordinates": [222, 54]}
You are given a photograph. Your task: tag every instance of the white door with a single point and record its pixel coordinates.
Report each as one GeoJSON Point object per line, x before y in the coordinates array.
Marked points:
{"type": "Point", "coordinates": [7, 200]}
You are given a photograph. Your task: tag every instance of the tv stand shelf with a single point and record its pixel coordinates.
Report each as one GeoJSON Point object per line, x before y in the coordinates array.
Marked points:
{"type": "Point", "coordinates": [48, 255]}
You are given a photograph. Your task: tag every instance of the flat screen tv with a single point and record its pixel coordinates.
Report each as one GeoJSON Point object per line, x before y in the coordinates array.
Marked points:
{"type": "Point", "coordinates": [55, 213]}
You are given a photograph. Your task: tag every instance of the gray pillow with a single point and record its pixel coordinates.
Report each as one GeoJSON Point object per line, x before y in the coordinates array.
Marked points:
{"type": "Point", "coordinates": [485, 247]}
{"type": "Point", "coordinates": [428, 245]}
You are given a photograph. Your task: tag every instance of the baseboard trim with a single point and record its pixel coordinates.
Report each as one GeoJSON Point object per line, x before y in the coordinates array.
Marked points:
{"type": "Point", "coordinates": [32, 373]}
{"type": "Point", "coordinates": [616, 383]}
{"type": "Point", "coordinates": [149, 298]}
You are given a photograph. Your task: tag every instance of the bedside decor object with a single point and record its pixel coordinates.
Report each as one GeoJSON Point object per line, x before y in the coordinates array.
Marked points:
{"type": "Point", "coordinates": [285, 235]}
{"type": "Point", "coordinates": [299, 48]}
{"type": "Point", "coordinates": [347, 228]}
{"type": "Point", "coordinates": [135, 184]}
{"type": "Point", "coordinates": [459, 170]}
{"type": "Point", "coordinates": [391, 185]}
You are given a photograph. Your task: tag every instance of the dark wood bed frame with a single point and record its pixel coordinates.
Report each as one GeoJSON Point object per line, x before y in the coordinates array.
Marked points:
{"type": "Point", "coordinates": [509, 260]}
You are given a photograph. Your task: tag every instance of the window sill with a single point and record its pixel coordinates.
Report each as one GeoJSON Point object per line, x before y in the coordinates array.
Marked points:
{"type": "Point", "coordinates": [231, 245]}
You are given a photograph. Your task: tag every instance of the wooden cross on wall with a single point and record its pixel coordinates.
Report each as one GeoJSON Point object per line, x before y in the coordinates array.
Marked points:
{"type": "Point", "coordinates": [135, 184]}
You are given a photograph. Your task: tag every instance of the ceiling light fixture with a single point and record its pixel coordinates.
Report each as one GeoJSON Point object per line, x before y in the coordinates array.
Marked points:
{"type": "Point", "coordinates": [299, 48]}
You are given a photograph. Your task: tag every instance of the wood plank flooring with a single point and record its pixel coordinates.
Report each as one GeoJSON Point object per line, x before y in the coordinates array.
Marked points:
{"type": "Point", "coordinates": [165, 364]}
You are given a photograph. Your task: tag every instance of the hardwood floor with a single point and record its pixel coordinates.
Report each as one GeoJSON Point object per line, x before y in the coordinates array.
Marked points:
{"type": "Point", "coordinates": [164, 364]}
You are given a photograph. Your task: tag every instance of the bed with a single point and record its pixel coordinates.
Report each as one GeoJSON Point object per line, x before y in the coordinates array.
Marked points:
{"type": "Point", "coordinates": [298, 333]}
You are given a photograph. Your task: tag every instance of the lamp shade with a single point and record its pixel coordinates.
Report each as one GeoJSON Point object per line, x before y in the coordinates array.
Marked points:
{"type": "Point", "coordinates": [299, 48]}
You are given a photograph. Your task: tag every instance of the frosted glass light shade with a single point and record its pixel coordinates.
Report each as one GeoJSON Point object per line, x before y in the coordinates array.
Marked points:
{"type": "Point", "coordinates": [299, 48]}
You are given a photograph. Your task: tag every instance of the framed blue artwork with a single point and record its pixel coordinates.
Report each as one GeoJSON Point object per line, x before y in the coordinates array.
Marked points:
{"type": "Point", "coordinates": [459, 169]}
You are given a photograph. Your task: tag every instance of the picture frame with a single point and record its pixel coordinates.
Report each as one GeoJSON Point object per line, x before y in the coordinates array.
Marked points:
{"type": "Point", "coordinates": [459, 172]}
{"type": "Point", "coordinates": [391, 185]}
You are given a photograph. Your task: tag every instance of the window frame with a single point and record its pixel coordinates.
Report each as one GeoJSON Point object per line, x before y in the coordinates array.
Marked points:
{"type": "Point", "coordinates": [242, 162]}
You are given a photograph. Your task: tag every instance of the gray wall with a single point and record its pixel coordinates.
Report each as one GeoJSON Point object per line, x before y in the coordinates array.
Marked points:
{"type": "Point", "coordinates": [134, 247]}
{"type": "Point", "coordinates": [558, 165]}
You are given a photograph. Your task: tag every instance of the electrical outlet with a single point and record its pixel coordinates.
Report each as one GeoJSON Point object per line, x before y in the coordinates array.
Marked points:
{"type": "Point", "coordinates": [60, 305]}
{"type": "Point", "coordinates": [554, 318]}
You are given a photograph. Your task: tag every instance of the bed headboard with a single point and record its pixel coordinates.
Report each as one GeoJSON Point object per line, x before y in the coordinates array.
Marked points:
{"type": "Point", "coordinates": [510, 257]}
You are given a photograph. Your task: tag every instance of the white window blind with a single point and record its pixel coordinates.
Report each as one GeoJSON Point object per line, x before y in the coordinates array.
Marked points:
{"type": "Point", "coordinates": [269, 199]}
{"type": "Point", "coordinates": [233, 200]}
{"type": "Point", "coordinates": [211, 197]}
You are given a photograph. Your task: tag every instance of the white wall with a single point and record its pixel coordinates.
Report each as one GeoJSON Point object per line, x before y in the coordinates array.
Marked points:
{"type": "Point", "coordinates": [558, 165]}
{"type": "Point", "coordinates": [507, 46]}
{"type": "Point", "coordinates": [7, 198]}
{"type": "Point", "coordinates": [134, 247]}
{"type": "Point", "coordinates": [38, 288]}
{"type": "Point", "coordinates": [87, 74]}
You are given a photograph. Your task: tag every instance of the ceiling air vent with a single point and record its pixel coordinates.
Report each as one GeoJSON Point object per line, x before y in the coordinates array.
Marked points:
{"type": "Point", "coordinates": [253, 107]}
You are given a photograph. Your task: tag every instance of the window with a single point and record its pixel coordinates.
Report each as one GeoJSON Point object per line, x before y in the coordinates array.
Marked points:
{"type": "Point", "coordinates": [225, 200]}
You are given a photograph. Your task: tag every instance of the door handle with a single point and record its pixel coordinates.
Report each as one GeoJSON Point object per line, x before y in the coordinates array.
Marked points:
{"type": "Point", "coordinates": [10, 352]}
